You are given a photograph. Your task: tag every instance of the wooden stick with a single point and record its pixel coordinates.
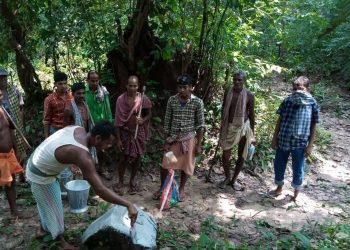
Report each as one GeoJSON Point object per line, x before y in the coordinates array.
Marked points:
{"type": "Point", "coordinates": [139, 114]}
{"type": "Point", "coordinates": [17, 128]}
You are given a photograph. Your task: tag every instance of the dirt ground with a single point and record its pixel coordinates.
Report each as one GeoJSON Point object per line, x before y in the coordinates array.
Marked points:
{"type": "Point", "coordinates": [325, 197]}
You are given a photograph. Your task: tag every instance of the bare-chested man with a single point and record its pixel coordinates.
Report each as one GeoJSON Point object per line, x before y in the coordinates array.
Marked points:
{"type": "Point", "coordinates": [237, 127]}
{"type": "Point", "coordinates": [9, 164]}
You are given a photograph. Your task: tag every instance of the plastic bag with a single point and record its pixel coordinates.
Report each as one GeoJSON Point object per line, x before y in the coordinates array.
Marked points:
{"type": "Point", "coordinates": [170, 192]}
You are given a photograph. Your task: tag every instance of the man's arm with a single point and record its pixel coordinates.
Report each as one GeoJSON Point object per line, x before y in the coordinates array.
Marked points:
{"type": "Point", "coordinates": [251, 112]}
{"type": "Point", "coordinates": [68, 118]}
{"type": "Point", "coordinates": [87, 166]}
{"type": "Point", "coordinates": [274, 143]}
{"type": "Point", "coordinates": [168, 118]}
{"type": "Point", "coordinates": [200, 125]}
{"type": "Point", "coordinates": [147, 117]}
{"type": "Point", "coordinates": [47, 117]}
{"type": "Point", "coordinates": [108, 109]}
{"type": "Point", "coordinates": [312, 137]}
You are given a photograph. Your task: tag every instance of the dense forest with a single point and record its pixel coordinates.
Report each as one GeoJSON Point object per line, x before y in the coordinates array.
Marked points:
{"type": "Point", "coordinates": [273, 41]}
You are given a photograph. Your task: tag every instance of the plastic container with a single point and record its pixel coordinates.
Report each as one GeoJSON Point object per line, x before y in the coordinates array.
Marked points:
{"type": "Point", "coordinates": [251, 151]}
{"type": "Point", "coordinates": [78, 194]}
{"type": "Point", "coordinates": [65, 176]}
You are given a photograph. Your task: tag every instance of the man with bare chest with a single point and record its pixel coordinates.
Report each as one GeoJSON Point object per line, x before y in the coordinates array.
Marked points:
{"type": "Point", "coordinates": [9, 164]}
{"type": "Point", "coordinates": [237, 127]}
{"type": "Point", "coordinates": [133, 131]}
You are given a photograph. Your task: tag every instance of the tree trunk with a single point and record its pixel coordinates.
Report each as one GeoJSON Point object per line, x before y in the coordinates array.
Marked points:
{"type": "Point", "coordinates": [26, 73]}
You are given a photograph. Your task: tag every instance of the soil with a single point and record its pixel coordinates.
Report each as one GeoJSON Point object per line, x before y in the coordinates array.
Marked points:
{"type": "Point", "coordinates": [325, 197]}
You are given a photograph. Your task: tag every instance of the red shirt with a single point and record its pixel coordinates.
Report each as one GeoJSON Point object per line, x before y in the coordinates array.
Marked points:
{"type": "Point", "coordinates": [54, 106]}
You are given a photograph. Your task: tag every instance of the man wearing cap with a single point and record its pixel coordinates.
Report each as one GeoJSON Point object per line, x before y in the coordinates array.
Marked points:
{"type": "Point", "coordinates": [184, 127]}
{"type": "Point", "coordinates": [14, 105]}
{"type": "Point", "coordinates": [55, 104]}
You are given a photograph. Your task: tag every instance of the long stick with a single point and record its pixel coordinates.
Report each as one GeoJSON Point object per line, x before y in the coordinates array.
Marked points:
{"type": "Point", "coordinates": [139, 114]}
{"type": "Point", "coordinates": [17, 128]}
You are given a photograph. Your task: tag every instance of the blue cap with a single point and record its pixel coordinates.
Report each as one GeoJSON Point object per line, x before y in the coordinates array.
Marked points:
{"type": "Point", "coordinates": [3, 72]}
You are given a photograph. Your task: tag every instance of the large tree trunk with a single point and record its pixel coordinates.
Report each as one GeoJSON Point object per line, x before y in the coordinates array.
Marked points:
{"type": "Point", "coordinates": [26, 73]}
{"type": "Point", "coordinates": [136, 43]}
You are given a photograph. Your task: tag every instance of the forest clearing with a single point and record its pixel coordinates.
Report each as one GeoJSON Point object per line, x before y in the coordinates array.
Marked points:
{"type": "Point", "coordinates": [144, 77]}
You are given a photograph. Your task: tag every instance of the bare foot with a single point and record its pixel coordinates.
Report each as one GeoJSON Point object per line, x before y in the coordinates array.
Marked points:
{"type": "Point", "coordinates": [119, 188]}
{"type": "Point", "coordinates": [133, 189]}
{"type": "Point", "coordinates": [65, 245]}
{"type": "Point", "coordinates": [19, 215]}
{"type": "Point", "coordinates": [156, 195]}
{"type": "Point", "coordinates": [276, 192]}
{"type": "Point", "coordinates": [182, 195]}
{"type": "Point", "coordinates": [40, 233]}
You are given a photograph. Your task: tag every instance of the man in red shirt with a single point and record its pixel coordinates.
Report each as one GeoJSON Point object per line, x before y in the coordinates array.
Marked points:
{"type": "Point", "coordinates": [55, 104]}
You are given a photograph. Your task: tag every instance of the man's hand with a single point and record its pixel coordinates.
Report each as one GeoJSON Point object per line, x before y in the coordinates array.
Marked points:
{"type": "Point", "coordinates": [139, 120]}
{"type": "Point", "coordinates": [132, 214]}
{"type": "Point", "coordinates": [308, 150]}
{"type": "Point", "coordinates": [197, 150]}
{"type": "Point", "coordinates": [167, 147]}
{"type": "Point", "coordinates": [253, 141]}
{"type": "Point", "coordinates": [18, 156]}
{"type": "Point", "coordinates": [274, 144]}
{"type": "Point", "coordinates": [120, 145]}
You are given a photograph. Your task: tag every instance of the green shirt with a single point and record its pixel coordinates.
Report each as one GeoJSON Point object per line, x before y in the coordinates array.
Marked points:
{"type": "Point", "coordinates": [99, 110]}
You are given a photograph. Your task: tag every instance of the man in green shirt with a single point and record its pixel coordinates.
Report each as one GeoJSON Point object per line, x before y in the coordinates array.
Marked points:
{"type": "Point", "coordinates": [97, 100]}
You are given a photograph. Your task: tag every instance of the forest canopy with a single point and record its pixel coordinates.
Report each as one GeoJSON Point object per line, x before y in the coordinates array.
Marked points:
{"type": "Point", "coordinates": [159, 40]}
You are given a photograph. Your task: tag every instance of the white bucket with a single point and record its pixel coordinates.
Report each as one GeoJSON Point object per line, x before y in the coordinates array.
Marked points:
{"type": "Point", "coordinates": [78, 194]}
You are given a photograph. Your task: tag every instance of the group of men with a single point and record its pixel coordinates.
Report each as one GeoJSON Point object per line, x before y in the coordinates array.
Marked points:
{"type": "Point", "coordinates": [83, 144]}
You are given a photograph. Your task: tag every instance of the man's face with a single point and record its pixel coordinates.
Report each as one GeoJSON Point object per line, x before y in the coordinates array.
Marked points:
{"type": "Point", "coordinates": [132, 86]}
{"type": "Point", "coordinates": [238, 82]}
{"type": "Point", "coordinates": [93, 81]}
{"type": "Point", "coordinates": [184, 90]}
{"type": "Point", "coordinates": [3, 82]}
{"type": "Point", "coordinates": [61, 87]}
{"type": "Point", "coordinates": [103, 144]}
{"type": "Point", "coordinates": [79, 96]}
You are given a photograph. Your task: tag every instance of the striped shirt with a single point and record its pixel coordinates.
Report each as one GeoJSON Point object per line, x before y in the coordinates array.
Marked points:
{"type": "Point", "coordinates": [298, 112]}
{"type": "Point", "coordinates": [180, 120]}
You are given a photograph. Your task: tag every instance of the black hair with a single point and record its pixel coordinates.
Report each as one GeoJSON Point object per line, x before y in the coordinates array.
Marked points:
{"type": "Point", "coordinates": [105, 129]}
{"type": "Point", "coordinates": [302, 80]}
{"type": "Point", "coordinates": [184, 80]}
{"type": "Point", "coordinates": [240, 73]}
{"type": "Point", "coordinates": [90, 73]}
{"type": "Point", "coordinates": [60, 76]}
{"type": "Point", "coordinates": [76, 86]}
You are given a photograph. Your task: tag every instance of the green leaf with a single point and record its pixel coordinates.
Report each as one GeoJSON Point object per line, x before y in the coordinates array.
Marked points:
{"type": "Point", "coordinates": [304, 240]}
